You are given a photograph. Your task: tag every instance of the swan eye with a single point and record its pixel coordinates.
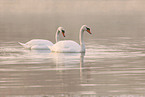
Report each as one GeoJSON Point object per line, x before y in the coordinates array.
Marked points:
{"type": "Point", "coordinates": [88, 28]}
{"type": "Point", "coordinates": [63, 31]}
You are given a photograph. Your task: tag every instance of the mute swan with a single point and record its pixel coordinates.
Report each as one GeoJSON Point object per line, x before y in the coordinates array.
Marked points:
{"type": "Point", "coordinates": [68, 46]}
{"type": "Point", "coordinates": [41, 44]}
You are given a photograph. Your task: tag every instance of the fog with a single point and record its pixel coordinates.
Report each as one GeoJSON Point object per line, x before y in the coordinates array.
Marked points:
{"type": "Point", "coordinates": [72, 6]}
{"type": "Point", "coordinates": [40, 19]}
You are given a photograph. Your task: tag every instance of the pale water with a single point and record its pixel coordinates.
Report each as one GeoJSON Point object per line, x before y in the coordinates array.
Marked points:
{"type": "Point", "coordinates": [113, 65]}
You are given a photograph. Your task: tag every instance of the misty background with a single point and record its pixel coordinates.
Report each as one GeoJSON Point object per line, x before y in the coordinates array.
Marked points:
{"type": "Point", "coordinates": [23, 20]}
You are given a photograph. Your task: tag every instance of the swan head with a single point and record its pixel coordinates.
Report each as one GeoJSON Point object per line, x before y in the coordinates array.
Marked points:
{"type": "Point", "coordinates": [61, 30]}
{"type": "Point", "coordinates": [86, 28]}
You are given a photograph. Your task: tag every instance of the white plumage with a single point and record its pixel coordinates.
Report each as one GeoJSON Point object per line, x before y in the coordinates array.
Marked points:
{"type": "Point", "coordinates": [41, 44]}
{"type": "Point", "coordinates": [66, 46]}
{"type": "Point", "coordinates": [69, 46]}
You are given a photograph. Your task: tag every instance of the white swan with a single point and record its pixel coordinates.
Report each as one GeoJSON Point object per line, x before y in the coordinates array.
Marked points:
{"type": "Point", "coordinates": [41, 44]}
{"type": "Point", "coordinates": [68, 46]}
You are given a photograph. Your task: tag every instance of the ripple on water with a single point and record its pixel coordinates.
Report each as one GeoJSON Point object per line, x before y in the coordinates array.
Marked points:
{"type": "Point", "coordinates": [108, 66]}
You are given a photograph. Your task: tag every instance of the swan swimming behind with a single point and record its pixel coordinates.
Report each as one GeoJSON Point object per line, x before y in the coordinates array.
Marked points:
{"type": "Point", "coordinates": [42, 44]}
{"type": "Point", "coordinates": [69, 46]}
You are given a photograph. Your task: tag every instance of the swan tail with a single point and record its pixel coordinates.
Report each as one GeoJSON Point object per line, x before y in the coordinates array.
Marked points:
{"type": "Point", "coordinates": [24, 45]}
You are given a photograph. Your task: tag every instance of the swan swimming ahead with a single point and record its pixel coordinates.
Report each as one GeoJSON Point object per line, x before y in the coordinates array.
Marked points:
{"type": "Point", "coordinates": [69, 46]}
{"type": "Point", "coordinates": [41, 44]}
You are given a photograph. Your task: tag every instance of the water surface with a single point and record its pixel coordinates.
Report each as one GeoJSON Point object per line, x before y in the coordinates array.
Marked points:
{"type": "Point", "coordinates": [114, 62]}
{"type": "Point", "coordinates": [113, 66]}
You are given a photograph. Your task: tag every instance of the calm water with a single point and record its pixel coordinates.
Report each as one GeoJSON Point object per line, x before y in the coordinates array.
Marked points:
{"type": "Point", "coordinates": [113, 66]}
{"type": "Point", "coordinates": [114, 62]}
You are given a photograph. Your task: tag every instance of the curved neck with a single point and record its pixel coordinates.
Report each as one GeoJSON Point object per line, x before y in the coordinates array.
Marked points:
{"type": "Point", "coordinates": [82, 44]}
{"type": "Point", "coordinates": [57, 36]}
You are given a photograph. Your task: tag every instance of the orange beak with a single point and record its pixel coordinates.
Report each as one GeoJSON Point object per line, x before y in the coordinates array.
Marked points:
{"type": "Point", "coordinates": [63, 34]}
{"type": "Point", "coordinates": [89, 31]}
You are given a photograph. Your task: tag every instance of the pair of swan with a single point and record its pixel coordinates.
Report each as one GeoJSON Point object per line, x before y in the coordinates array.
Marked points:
{"type": "Point", "coordinates": [66, 46]}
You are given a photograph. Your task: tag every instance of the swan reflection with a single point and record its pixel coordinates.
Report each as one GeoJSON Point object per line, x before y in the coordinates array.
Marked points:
{"type": "Point", "coordinates": [63, 61]}
{"type": "Point", "coordinates": [68, 61]}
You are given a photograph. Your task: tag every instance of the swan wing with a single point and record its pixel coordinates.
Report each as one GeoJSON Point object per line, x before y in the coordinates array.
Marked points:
{"type": "Point", "coordinates": [24, 45]}
{"type": "Point", "coordinates": [66, 46]}
{"type": "Point", "coordinates": [39, 42]}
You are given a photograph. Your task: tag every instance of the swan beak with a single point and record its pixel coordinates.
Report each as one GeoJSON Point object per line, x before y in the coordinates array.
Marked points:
{"type": "Point", "coordinates": [89, 31]}
{"type": "Point", "coordinates": [63, 34]}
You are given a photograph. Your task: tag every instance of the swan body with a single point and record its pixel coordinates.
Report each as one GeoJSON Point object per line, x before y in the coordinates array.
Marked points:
{"type": "Point", "coordinates": [69, 46]}
{"type": "Point", "coordinates": [36, 44]}
{"type": "Point", "coordinates": [66, 46]}
{"type": "Point", "coordinates": [41, 44]}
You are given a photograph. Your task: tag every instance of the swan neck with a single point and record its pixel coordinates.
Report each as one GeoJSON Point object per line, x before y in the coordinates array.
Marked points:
{"type": "Point", "coordinates": [57, 36]}
{"type": "Point", "coordinates": [82, 40]}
